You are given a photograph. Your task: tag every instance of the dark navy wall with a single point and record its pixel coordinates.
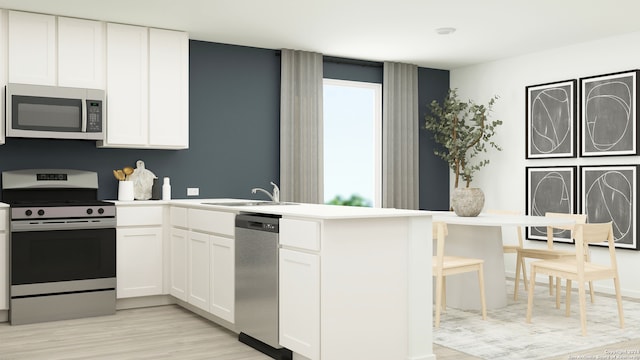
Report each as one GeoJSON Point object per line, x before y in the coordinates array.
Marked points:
{"type": "Point", "coordinates": [234, 111]}
{"type": "Point", "coordinates": [434, 172]}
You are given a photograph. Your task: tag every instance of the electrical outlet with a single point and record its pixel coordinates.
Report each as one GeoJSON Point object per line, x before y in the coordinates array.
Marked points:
{"type": "Point", "coordinates": [193, 191]}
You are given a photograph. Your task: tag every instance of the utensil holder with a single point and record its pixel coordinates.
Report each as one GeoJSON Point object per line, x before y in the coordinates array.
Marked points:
{"type": "Point", "coordinates": [125, 190]}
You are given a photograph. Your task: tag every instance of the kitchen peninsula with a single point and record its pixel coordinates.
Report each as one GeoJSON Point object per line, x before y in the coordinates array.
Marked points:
{"type": "Point", "coordinates": [355, 283]}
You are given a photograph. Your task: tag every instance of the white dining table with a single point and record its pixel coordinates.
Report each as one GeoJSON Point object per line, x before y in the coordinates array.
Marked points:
{"type": "Point", "coordinates": [481, 237]}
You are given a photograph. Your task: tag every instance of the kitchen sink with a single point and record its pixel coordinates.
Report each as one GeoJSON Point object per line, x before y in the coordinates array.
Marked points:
{"type": "Point", "coordinates": [248, 203]}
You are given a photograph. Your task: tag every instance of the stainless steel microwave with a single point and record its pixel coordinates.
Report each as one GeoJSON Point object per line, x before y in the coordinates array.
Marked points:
{"type": "Point", "coordinates": [36, 111]}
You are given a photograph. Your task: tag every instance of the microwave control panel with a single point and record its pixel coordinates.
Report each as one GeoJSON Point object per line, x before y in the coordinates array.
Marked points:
{"type": "Point", "coordinates": [94, 116]}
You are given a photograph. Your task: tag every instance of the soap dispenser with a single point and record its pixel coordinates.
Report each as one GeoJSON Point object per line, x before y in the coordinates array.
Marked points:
{"type": "Point", "coordinates": [166, 189]}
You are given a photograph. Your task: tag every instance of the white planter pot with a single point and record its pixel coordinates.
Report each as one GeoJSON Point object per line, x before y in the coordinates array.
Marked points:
{"type": "Point", "coordinates": [467, 201]}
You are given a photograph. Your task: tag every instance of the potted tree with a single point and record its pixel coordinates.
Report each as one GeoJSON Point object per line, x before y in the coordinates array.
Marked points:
{"type": "Point", "coordinates": [462, 130]}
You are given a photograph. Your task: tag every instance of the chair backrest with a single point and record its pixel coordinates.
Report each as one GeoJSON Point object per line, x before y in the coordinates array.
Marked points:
{"type": "Point", "coordinates": [509, 212]}
{"type": "Point", "coordinates": [577, 218]}
{"type": "Point", "coordinates": [593, 233]}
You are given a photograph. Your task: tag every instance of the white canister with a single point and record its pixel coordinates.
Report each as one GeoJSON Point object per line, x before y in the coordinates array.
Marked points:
{"type": "Point", "coordinates": [125, 190]}
{"type": "Point", "coordinates": [166, 189]}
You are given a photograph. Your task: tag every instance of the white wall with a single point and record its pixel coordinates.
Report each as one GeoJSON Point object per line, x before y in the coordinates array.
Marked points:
{"type": "Point", "coordinates": [503, 180]}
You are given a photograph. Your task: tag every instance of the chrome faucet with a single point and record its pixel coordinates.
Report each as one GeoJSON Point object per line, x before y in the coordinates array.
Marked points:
{"type": "Point", "coordinates": [275, 197]}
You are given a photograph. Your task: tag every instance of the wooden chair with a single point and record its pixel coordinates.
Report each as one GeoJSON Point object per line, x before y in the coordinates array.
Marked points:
{"type": "Point", "coordinates": [444, 266]}
{"type": "Point", "coordinates": [581, 269]}
{"type": "Point", "coordinates": [549, 253]}
{"type": "Point", "coordinates": [513, 249]}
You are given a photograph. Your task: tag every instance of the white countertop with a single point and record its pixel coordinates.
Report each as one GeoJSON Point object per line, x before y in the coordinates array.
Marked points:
{"type": "Point", "coordinates": [316, 211]}
{"type": "Point", "coordinates": [485, 219]}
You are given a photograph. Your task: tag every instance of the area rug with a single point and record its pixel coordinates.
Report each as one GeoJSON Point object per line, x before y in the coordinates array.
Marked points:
{"type": "Point", "coordinates": [506, 335]}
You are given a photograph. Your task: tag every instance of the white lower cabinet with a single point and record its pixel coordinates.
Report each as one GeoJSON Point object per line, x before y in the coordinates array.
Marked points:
{"type": "Point", "coordinates": [178, 247]}
{"type": "Point", "coordinates": [198, 264]}
{"type": "Point", "coordinates": [139, 261]}
{"type": "Point", "coordinates": [211, 272]}
{"type": "Point", "coordinates": [300, 302]}
{"type": "Point", "coordinates": [222, 295]}
{"type": "Point", "coordinates": [4, 259]}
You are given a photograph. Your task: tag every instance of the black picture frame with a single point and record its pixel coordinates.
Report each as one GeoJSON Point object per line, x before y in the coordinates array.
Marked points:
{"type": "Point", "coordinates": [609, 193]}
{"type": "Point", "coordinates": [608, 114]}
{"type": "Point", "coordinates": [551, 120]}
{"type": "Point", "coordinates": [550, 189]}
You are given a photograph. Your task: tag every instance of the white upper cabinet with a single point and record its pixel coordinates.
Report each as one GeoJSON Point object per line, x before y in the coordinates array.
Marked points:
{"type": "Point", "coordinates": [32, 48]}
{"type": "Point", "coordinates": [147, 88]}
{"type": "Point", "coordinates": [45, 50]}
{"type": "Point", "coordinates": [168, 88]}
{"type": "Point", "coordinates": [81, 55]}
{"type": "Point", "coordinates": [127, 85]}
{"type": "Point", "coordinates": [3, 66]}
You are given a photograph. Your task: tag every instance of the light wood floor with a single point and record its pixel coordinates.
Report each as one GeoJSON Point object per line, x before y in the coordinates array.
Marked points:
{"type": "Point", "coordinates": [162, 332]}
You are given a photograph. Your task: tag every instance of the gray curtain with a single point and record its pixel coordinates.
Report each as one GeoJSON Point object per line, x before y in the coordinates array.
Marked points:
{"type": "Point", "coordinates": [301, 153]}
{"type": "Point", "coordinates": [400, 136]}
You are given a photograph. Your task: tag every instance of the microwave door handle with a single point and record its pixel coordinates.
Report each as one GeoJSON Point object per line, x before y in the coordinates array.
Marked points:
{"type": "Point", "coordinates": [84, 115]}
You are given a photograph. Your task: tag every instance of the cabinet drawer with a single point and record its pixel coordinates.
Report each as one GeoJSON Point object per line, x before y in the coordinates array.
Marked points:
{"type": "Point", "coordinates": [300, 234]}
{"type": "Point", "coordinates": [218, 222]}
{"type": "Point", "coordinates": [178, 217]}
{"type": "Point", "coordinates": [139, 215]}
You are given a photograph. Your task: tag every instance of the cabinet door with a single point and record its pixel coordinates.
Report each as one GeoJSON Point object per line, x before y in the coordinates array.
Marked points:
{"type": "Point", "coordinates": [168, 89]}
{"type": "Point", "coordinates": [199, 270]}
{"type": "Point", "coordinates": [178, 268]}
{"type": "Point", "coordinates": [139, 261]}
{"type": "Point", "coordinates": [127, 85]}
{"type": "Point", "coordinates": [223, 278]}
{"type": "Point", "coordinates": [4, 271]}
{"type": "Point", "coordinates": [32, 48]}
{"type": "Point", "coordinates": [300, 302]}
{"type": "Point", "coordinates": [4, 260]}
{"type": "Point", "coordinates": [3, 65]}
{"type": "Point", "coordinates": [80, 53]}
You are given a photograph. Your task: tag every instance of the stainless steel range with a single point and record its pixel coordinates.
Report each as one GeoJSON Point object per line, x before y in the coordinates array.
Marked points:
{"type": "Point", "coordinates": [62, 246]}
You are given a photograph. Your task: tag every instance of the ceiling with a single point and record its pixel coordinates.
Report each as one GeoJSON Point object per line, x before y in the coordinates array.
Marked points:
{"type": "Point", "coordinates": [379, 30]}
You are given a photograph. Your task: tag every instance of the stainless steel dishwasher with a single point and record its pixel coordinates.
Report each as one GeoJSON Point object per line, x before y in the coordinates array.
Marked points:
{"type": "Point", "coordinates": [256, 300]}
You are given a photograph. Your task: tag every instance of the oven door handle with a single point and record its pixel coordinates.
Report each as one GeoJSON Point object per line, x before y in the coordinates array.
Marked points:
{"type": "Point", "coordinates": [48, 225]}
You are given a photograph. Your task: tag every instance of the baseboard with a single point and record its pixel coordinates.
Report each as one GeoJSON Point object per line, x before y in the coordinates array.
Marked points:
{"type": "Point", "coordinates": [144, 301]}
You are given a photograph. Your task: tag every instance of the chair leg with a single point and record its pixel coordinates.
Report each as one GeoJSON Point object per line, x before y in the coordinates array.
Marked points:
{"type": "Point", "coordinates": [439, 281]}
{"type": "Point", "coordinates": [558, 290]}
{"type": "Point", "coordinates": [483, 303]}
{"type": "Point", "coordinates": [444, 293]}
{"type": "Point", "coordinates": [550, 285]}
{"type": "Point", "coordinates": [568, 312]}
{"type": "Point", "coordinates": [517, 284]}
{"type": "Point", "coordinates": [532, 284]}
{"type": "Point", "coordinates": [583, 307]}
{"type": "Point", "coordinates": [593, 298]}
{"type": "Point", "coordinates": [616, 283]}
{"type": "Point", "coordinates": [524, 274]}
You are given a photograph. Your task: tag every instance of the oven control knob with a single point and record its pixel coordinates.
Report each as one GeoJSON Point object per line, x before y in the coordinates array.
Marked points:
{"type": "Point", "coordinates": [28, 212]}
{"type": "Point", "coordinates": [40, 212]}
{"type": "Point", "coordinates": [89, 211]}
{"type": "Point", "coordinates": [100, 211]}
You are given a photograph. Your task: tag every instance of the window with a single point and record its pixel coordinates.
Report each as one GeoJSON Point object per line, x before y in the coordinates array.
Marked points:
{"type": "Point", "coordinates": [352, 113]}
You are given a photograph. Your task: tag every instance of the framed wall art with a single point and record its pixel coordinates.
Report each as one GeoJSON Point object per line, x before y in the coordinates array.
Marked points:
{"type": "Point", "coordinates": [550, 189]}
{"type": "Point", "coordinates": [551, 120]}
{"type": "Point", "coordinates": [609, 115]}
{"type": "Point", "coordinates": [609, 193]}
